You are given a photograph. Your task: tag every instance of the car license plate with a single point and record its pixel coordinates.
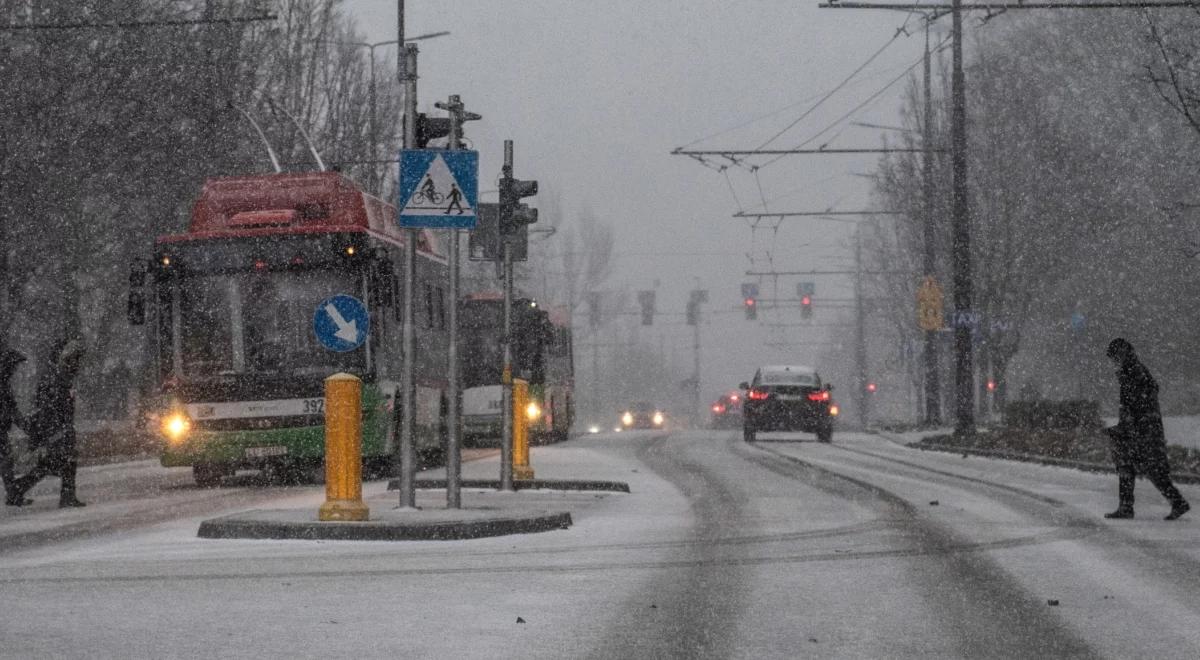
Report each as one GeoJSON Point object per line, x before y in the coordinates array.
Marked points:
{"type": "Point", "coordinates": [264, 452]}
{"type": "Point", "coordinates": [790, 397]}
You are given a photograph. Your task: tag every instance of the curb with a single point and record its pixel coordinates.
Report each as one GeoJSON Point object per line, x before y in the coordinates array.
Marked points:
{"type": "Point", "coordinates": [257, 525]}
{"type": "Point", "coordinates": [591, 485]}
{"type": "Point", "coordinates": [1084, 466]}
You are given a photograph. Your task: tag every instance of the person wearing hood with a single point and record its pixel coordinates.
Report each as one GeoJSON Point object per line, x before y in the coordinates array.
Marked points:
{"type": "Point", "coordinates": [1139, 443]}
{"type": "Point", "coordinates": [9, 417]}
{"type": "Point", "coordinates": [52, 424]}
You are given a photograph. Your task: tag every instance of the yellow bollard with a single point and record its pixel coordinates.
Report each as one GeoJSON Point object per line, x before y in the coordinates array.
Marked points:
{"type": "Point", "coordinates": [343, 450]}
{"type": "Point", "coordinates": [522, 416]}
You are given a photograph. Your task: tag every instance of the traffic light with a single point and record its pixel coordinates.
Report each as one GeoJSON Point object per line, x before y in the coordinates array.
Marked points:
{"type": "Point", "coordinates": [871, 387]}
{"type": "Point", "coordinates": [806, 307]}
{"type": "Point", "coordinates": [513, 214]}
{"type": "Point", "coordinates": [430, 128]}
{"type": "Point", "coordinates": [646, 300]}
{"type": "Point", "coordinates": [751, 306]}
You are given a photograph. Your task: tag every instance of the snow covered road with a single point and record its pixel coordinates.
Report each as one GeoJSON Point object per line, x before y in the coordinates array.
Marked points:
{"type": "Point", "coordinates": [786, 548]}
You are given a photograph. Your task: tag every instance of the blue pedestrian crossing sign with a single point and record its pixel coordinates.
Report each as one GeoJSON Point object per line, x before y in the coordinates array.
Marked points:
{"type": "Point", "coordinates": [341, 323]}
{"type": "Point", "coordinates": [438, 188]}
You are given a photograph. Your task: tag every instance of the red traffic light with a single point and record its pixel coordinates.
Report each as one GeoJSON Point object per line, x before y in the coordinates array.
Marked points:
{"type": "Point", "coordinates": [750, 302]}
{"type": "Point", "coordinates": [806, 301]}
{"type": "Point", "coordinates": [871, 387]}
{"type": "Point", "coordinates": [991, 385]}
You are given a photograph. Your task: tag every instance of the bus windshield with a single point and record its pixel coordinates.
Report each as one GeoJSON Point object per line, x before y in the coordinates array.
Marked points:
{"type": "Point", "coordinates": [258, 322]}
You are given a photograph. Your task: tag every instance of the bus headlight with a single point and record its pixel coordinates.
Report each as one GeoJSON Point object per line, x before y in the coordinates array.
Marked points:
{"type": "Point", "coordinates": [176, 426]}
{"type": "Point", "coordinates": [533, 411]}
{"type": "Point", "coordinates": [627, 419]}
{"type": "Point", "coordinates": [658, 418]}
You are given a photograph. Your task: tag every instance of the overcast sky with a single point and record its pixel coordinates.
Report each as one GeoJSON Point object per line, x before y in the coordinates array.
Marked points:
{"type": "Point", "coordinates": [597, 94]}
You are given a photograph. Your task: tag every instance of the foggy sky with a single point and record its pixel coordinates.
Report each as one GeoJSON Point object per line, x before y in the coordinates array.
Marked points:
{"type": "Point", "coordinates": [596, 95]}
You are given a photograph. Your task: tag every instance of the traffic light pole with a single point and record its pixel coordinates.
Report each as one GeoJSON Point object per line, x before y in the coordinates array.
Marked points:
{"type": "Point", "coordinates": [405, 460]}
{"type": "Point", "coordinates": [506, 375]}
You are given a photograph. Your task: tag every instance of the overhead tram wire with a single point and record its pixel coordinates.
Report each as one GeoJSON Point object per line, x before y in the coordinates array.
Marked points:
{"type": "Point", "coordinates": [870, 99]}
{"type": "Point", "coordinates": [836, 88]}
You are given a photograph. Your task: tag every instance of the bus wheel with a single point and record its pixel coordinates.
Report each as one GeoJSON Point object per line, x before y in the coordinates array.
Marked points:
{"type": "Point", "coordinates": [207, 475]}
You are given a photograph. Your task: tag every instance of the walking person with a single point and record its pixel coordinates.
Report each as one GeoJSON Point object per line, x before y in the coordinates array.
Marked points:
{"type": "Point", "coordinates": [52, 424]}
{"type": "Point", "coordinates": [9, 417]}
{"type": "Point", "coordinates": [1139, 444]}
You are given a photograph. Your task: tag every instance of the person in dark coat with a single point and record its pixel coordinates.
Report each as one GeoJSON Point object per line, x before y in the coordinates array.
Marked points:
{"type": "Point", "coordinates": [9, 417]}
{"type": "Point", "coordinates": [52, 424]}
{"type": "Point", "coordinates": [1139, 444]}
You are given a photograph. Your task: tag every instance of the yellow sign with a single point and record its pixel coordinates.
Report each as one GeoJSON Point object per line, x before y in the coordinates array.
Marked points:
{"type": "Point", "coordinates": [929, 305]}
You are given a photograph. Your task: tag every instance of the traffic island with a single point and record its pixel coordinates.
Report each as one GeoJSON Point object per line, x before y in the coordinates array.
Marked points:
{"type": "Point", "coordinates": [385, 525]}
{"type": "Point", "coordinates": [584, 485]}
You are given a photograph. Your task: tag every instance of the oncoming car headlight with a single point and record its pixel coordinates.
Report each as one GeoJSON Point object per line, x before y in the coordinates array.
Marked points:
{"type": "Point", "coordinates": [627, 419]}
{"type": "Point", "coordinates": [658, 418]}
{"type": "Point", "coordinates": [176, 426]}
{"type": "Point", "coordinates": [593, 429]}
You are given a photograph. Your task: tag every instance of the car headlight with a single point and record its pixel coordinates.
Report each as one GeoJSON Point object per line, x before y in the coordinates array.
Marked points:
{"type": "Point", "coordinates": [533, 411]}
{"type": "Point", "coordinates": [176, 427]}
{"type": "Point", "coordinates": [627, 419]}
{"type": "Point", "coordinates": [658, 419]}
{"type": "Point", "coordinates": [593, 429]}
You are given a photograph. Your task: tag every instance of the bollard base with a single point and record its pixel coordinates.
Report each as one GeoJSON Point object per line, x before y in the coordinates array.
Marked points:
{"type": "Point", "coordinates": [349, 510]}
{"type": "Point", "coordinates": [522, 472]}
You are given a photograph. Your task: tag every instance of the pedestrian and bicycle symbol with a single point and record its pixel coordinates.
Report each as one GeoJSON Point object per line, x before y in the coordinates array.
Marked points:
{"type": "Point", "coordinates": [438, 188]}
{"type": "Point", "coordinates": [341, 323]}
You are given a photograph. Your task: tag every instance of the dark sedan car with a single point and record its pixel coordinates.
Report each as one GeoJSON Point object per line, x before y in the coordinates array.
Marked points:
{"type": "Point", "coordinates": [788, 398]}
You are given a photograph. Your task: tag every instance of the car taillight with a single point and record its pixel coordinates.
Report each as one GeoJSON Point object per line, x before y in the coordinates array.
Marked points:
{"type": "Point", "coordinates": [718, 408]}
{"type": "Point", "coordinates": [823, 395]}
{"type": "Point", "coordinates": [758, 395]}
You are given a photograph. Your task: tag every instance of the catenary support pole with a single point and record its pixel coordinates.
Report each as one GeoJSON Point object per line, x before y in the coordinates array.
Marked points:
{"type": "Point", "coordinates": [506, 375]}
{"type": "Point", "coordinates": [960, 252]}
{"type": "Point", "coordinates": [933, 390]}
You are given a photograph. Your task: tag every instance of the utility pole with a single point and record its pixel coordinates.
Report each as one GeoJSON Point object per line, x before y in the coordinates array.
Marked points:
{"type": "Point", "coordinates": [933, 389]}
{"type": "Point", "coordinates": [860, 335]}
{"type": "Point", "coordinates": [405, 460]}
{"type": "Point", "coordinates": [960, 252]}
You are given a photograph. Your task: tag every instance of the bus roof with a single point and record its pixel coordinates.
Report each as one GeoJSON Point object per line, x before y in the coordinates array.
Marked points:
{"type": "Point", "coordinates": [293, 203]}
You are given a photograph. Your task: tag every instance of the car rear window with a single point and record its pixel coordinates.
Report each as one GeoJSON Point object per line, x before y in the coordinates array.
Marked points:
{"type": "Point", "coordinates": [790, 378]}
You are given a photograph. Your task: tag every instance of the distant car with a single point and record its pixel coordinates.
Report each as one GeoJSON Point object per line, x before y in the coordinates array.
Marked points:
{"type": "Point", "coordinates": [642, 415]}
{"type": "Point", "coordinates": [727, 412]}
{"type": "Point", "coordinates": [788, 398]}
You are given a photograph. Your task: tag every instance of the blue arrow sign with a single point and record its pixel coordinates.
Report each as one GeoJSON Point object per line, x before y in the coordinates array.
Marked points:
{"type": "Point", "coordinates": [438, 188]}
{"type": "Point", "coordinates": [341, 323]}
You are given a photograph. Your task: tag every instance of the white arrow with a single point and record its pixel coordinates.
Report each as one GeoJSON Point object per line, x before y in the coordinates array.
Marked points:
{"type": "Point", "coordinates": [347, 330]}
